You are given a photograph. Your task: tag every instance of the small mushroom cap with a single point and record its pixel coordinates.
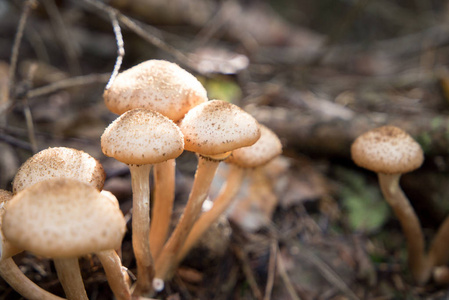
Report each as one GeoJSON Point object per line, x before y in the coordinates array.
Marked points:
{"type": "Point", "coordinates": [157, 85]}
{"type": "Point", "coordinates": [388, 150]}
{"type": "Point", "coordinates": [264, 150]}
{"type": "Point", "coordinates": [216, 127]}
{"type": "Point", "coordinates": [142, 136]}
{"type": "Point", "coordinates": [56, 163]}
{"type": "Point", "coordinates": [63, 218]}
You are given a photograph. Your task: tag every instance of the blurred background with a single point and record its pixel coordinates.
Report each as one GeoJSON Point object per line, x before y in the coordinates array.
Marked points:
{"type": "Point", "coordinates": [318, 73]}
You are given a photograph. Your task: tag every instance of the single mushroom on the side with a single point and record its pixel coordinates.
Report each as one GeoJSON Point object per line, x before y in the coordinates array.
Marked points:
{"type": "Point", "coordinates": [390, 152]}
{"type": "Point", "coordinates": [167, 88]}
{"type": "Point", "coordinates": [10, 272]}
{"type": "Point", "coordinates": [212, 130]}
{"type": "Point", "coordinates": [263, 151]}
{"type": "Point", "coordinates": [64, 219]}
{"type": "Point", "coordinates": [141, 138]}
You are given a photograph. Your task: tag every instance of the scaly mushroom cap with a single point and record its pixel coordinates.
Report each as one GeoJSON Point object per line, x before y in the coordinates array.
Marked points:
{"type": "Point", "coordinates": [158, 85]}
{"type": "Point", "coordinates": [387, 150]}
{"type": "Point", "coordinates": [264, 150]}
{"type": "Point", "coordinates": [142, 136]}
{"type": "Point", "coordinates": [59, 162]}
{"type": "Point", "coordinates": [217, 127]}
{"type": "Point", "coordinates": [63, 218]}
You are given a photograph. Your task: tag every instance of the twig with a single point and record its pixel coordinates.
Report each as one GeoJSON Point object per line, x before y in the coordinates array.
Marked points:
{"type": "Point", "coordinates": [248, 272]}
{"type": "Point", "coordinates": [328, 273]}
{"type": "Point", "coordinates": [67, 83]}
{"type": "Point", "coordinates": [15, 142]}
{"type": "Point", "coordinates": [283, 273]}
{"type": "Point", "coordinates": [271, 270]}
{"type": "Point", "coordinates": [120, 46]}
{"type": "Point", "coordinates": [27, 112]}
{"type": "Point", "coordinates": [28, 5]}
{"type": "Point", "coordinates": [139, 28]}
{"type": "Point", "coordinates": [63, 35]}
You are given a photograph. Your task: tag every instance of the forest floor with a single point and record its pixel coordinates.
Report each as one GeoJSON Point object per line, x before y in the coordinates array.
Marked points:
{"type": "Point", "coordinates": [311, 225]}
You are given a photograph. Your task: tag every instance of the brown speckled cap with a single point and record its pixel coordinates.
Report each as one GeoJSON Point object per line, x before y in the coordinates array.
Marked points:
{"type": "Point", "coordinates": [56, 163]}
{"type": "Point", "coordinates": [157, 85]}
{"type": "Point", "coordinates": [142, 136]}
{"type": "Point", "coordinates": [63, 218]}
{"type": "Point", "coordinates": [265, 149]}
{"type": "Point", "coordinates": [388, 150]}
{"type": "Point", "coordinates": [216, 127]}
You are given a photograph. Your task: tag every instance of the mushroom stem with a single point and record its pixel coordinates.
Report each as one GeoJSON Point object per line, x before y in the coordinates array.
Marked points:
{"type": "Point", "coordinates": [164, 194]}
{"type": "Point", "coordinates": [166, 263]}
{"type": "Point", "coordinates": [69, 274]}
{"type": "Point", "coordinates": [112, 266]}
{"type": "Point", "coordinates": [417, 259]}
{"type": "Point", "coordinates": [221, 204]}
{"type": "Point", "coordinates": [439, 248]}
{"type": "Point", "coordinates": [140, 181]}
{"type": "Point", "coordinates": [22, 284]}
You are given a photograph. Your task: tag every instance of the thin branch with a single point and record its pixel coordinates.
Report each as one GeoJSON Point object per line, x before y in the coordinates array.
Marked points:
{"type": "Point", "coordinates": [28, 5]}
{"type": "Point", "coordinates": [271, 270]}
{"type": "Point", "coordinates": [120, 46]}
{"type": "Point", "coordinates": [140, 29]}
{"type": "Point", "coordinates": [248, 272]}
{"type": "Point", "coordinates": [63, 35]}
{"type": "Point", "coordinates": [283, 273]}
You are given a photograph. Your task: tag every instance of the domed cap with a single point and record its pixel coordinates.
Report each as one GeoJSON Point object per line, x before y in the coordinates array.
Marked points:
{"type": "Point", "coordinates": [388, 150]}
{"type": "Point", "coordinates": [63, 218]}
{"type": "Point", "coordinates": [265, 149]}
{"type": "Point", "coordinates": [56, 163]}
{"type": "Point", "coordinates": [142, 136]}
{"type": "Point", "coordinates": [216, 127]}
{"type": "Point", "coordinates": [157, 85]}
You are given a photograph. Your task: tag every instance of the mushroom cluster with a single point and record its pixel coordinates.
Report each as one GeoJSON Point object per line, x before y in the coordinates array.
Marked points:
{"type": "Point", "coordinates": [163, 110]}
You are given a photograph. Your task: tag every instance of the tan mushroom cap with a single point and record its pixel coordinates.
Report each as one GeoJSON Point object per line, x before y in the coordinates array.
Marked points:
{"type": "Point", "coordinates": [216, 127]}
{"type": "Point", "coordinates": [157, 85]}
{"type": "Point", "coordinates": [264, 150]}
{"type": "Point", "coordinates": [388, 150]}
{"type": "Point", "coordinates": [56, 163]}
{"type": "Point", "coordinates": [63, 218]}
{"type": "Point", "coordinates": [142, 136]}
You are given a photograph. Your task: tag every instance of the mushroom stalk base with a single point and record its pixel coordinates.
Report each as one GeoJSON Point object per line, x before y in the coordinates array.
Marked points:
{"type": "Point", "coordinates": [140, 181]}
{"type": "Point", "coordinates": [164, 194]}
{"type": "Point", "coordinates": [166, 263]}
{"type": "Point", "coordinates": [112, 266]}
{"type": "Point", "coordinates": [417, 259]}
{"type": "Point", "coordinates": [22, 284]}
{"type": "Point", "coordinates": [221, 204]}
{"type": "Point", "coordinates": [69, 274]}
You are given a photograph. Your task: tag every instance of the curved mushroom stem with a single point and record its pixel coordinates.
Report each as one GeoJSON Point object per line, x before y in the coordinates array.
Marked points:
{"type": "Point", "coordinates": [22, 284]}
{"type": "Point", "coordinates": [112, 266]}
{"type": "Point", "coordinates": [140, 181]}
{"type": "Point", "coordinates": [69, 274]}
{"type": "Point", "coordinates": [166, 263]}
{"type": "Point", "coordinates": [417, 259]}
{"type": "Point", "coordinates": [439, 248]}
{"type": "Point", "coordinates": [221, 203]}
{"type": "Point", "coordinates": [163, 197]}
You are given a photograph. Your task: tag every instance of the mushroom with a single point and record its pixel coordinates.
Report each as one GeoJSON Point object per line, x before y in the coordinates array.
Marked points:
{"type": "Point", "coordinates": [212, 129]}
{"type": "Point", "coordinates": [62, 162]}
{"type": "Point", "coordinates": [64, 219]}
{"type": "Point", "coordinates": [59, 162]}
{"type": "Point", "coordinates": [263, 151]}
{"type": "Point", "coordinates": [391, 152]}
{"type": "Point", "coordinates": [164, 87]}
{"type": "Point", "coordinates": [10, 272]}
{"type": "Point", "coordinates": [140, 138]}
